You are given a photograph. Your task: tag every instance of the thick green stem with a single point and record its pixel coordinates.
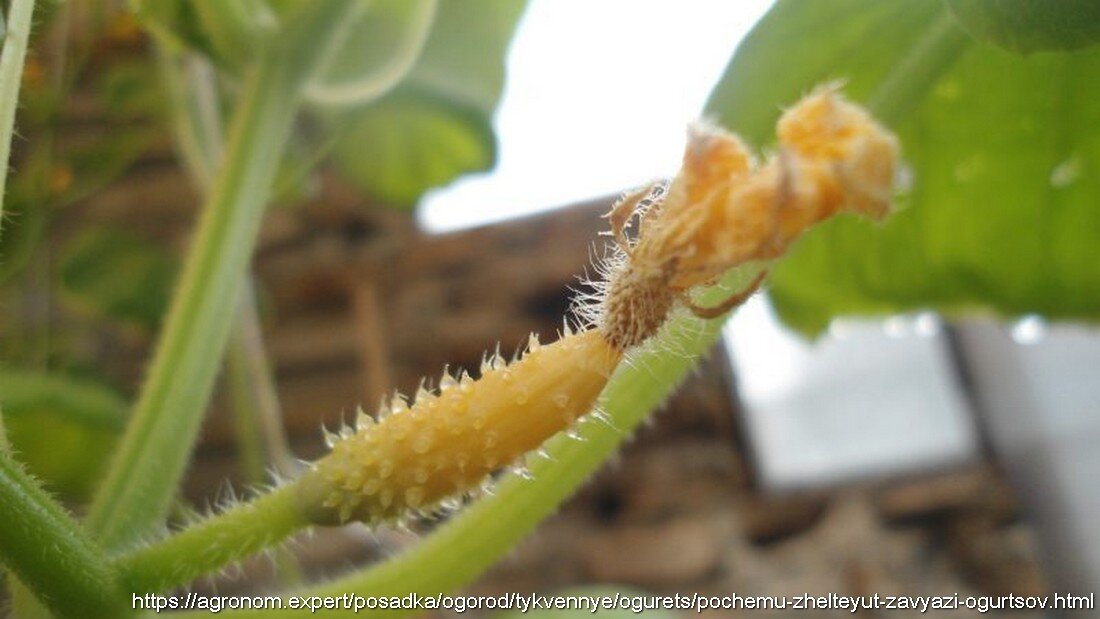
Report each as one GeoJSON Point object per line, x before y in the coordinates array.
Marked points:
{"type": "Point", "coordinates": [49, 553]}
{"type": "Point", "coordinates": [200, 138]}
{"type": "Point", "coordinates": [144, 474]}
{"type": "Point", "coordinates": [213, 543]}
{"type": "Point", "coordinates": [147, 468]}
{"type": "Point", "coordinates": [262, 442]}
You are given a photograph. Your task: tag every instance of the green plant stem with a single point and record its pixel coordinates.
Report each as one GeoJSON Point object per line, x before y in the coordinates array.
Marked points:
{"type": "Point", "coordinates": [146, 470]}
{"type": "Point", "coordinates": [16, 32]}
{"type": "Point", "coordinates": [196, 114]}
{"type": "Point", "coordinates": [211, 544]}
{"type": "Point", "coordinates": [907, 85]}
{"type": "Point", "coordinates": [200, 137]}
{"type": "Point", "coordinates": [262, 442]}
{"type": "Point", "coordinates": [257, 414]}
{"type": "Point", "coordinates": [11, 74]}
{"type": "Point", "coordinates": [45, 548]}
{"type": "Point", "coordinates": [247, 528]}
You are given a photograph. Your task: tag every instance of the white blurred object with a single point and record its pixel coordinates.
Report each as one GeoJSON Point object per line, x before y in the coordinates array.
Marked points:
{"type": "Point", "coordinates": [597, 100]}
{"type": "Point", "coordinates": [1038, 389]}
{"type": "Point", "coordinates": [870, 398]}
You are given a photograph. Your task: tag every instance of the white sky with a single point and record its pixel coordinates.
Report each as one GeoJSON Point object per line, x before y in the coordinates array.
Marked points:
{"type": "Point", "coordinates": [598, 96]}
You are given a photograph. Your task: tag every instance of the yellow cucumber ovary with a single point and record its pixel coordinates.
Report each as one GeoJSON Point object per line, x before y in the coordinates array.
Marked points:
{"type": "Point", "coordinates": [449, 441]}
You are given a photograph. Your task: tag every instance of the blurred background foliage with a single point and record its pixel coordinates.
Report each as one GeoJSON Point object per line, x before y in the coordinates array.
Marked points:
{"type": "Point", "coordinates": [997, 199]}
{"type": "Point", "coordinates": [1001, 179]}
{"type": "Point", "coordinates": [406, 106]}
{"type": "Point", "coordinates": [408, 98]}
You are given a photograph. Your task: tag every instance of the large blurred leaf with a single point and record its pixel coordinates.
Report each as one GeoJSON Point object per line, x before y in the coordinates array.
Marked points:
{"type": "Point", "coordinates": [410, 142]}
{"type": "Point", "coordinates": [1031, 25]}
{"type": "Point", "coordinates": [379, 46]}
{"type": "Point", "coordinates": [1002, 153]}
{"type": "Point", "coordinates": [117, 275]}
{"type": "Point", "coordinates": [438, 124]}
{"type": "Point", "coordinates": [63, 428]}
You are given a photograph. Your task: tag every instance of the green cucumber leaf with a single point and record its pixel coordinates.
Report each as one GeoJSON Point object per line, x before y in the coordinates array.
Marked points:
{"type": "Point", "coordinates": [1001, 212]}
{"type": "Point", "coordinates": [437, 124]}
{"type": "Point", "coordinates": [1031, 25]}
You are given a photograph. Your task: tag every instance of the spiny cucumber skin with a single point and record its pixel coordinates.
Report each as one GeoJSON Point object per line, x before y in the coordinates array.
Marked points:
{"type": "Point", "coordinates": [447, 443]}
